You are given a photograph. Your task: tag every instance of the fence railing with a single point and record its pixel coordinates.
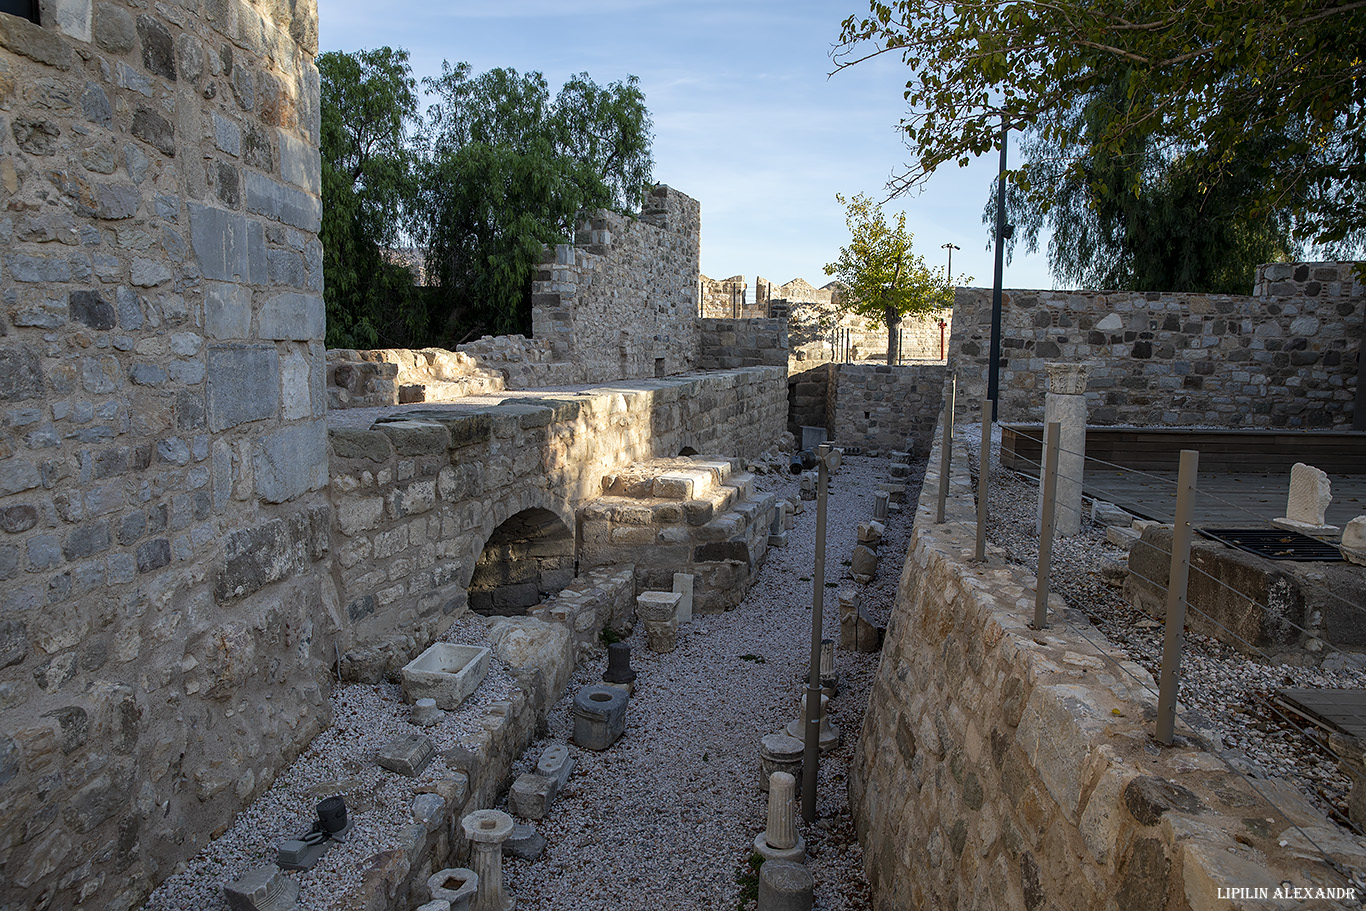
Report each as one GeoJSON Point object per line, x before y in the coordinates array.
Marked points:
{"type": "Point", "coordinates": [1181, 569]}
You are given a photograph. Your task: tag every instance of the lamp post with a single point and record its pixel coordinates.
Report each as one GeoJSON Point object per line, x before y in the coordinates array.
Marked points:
{"type": "Point", "coordinates": [950, 248]}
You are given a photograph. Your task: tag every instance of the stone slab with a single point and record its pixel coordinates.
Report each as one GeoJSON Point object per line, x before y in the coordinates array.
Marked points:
{"type": "Point", "coordinates": [407, 755]}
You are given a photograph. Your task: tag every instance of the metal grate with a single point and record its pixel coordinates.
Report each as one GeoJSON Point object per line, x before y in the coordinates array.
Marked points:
{"type": "Point", "coordinates": [1276, 544]}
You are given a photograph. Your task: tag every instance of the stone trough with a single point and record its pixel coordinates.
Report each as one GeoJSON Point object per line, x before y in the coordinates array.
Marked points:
{"type": "Point", "coordinates": [445, 672]}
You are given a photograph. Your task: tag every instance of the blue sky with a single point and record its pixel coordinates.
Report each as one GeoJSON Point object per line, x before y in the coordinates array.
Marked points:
{"type": "Point", "coordinates": [746, 118]}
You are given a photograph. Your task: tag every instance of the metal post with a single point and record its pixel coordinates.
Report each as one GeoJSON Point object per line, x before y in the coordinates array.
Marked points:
{"type": "Point", "coordinates": [1050, 494]}
{"type": "Point", "coordinates": [946, 449]}
{"type": "Point", "coordinates": [984, 481]}
{"type": "Point", "coordinates": [1177, 576]}
{"type": "Point", "coordinates": [811, 754]}
{"type": "Point", "coordinates": [994, 355]}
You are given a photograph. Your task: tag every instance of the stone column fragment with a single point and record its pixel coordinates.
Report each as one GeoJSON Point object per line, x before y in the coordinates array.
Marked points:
{"type": "Point", "coordinates": [487, 830]}
{"type": "Point", "coordinates": [1065, 404]}
{"type": "Point", "coordinates": [779, 840]}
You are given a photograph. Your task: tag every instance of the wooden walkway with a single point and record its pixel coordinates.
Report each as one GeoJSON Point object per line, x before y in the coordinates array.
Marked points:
{"type": "Point", "coordinates": [1337, 710]}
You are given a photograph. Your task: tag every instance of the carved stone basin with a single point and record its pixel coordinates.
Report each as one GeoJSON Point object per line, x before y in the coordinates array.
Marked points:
{"type": "Point", "coordinates": [445, 672]}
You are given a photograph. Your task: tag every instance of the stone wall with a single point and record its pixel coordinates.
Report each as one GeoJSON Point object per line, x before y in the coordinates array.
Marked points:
{"type": "Point", "coordinates": [809, 400]}
{"type": "Point", "coordinates": [1009, 768]}
{"type": "Point", "coordinates": [724, 344]}
{"type": "Point", "coordinates": [163, 456]}
{"type": "Point", "coordinates": [417, 499]}
{"type": "Point", "coordinates": [1332, 280]}
{"type": "Point", "coordinates": [880, 408]}
{"type": "Point", "coordinates": [725, 299]}
{"type": "Point", "coordinates": [621, 301]}
{"type": "Point", "coordinates": [1172, 359]}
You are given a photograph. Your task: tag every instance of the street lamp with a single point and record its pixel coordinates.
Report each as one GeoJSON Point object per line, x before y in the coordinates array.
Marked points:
{"type": "Point", "coordinates": [950, 248]}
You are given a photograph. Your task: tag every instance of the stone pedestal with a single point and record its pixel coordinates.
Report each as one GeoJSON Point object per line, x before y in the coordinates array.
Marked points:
{"type": "Point", "coordinates": [487, 830]}
{"type": "Point", "coordinates": [779, 840]}
{"type": "Point", "coordinates": [858, 632]}
{"type": "Point", "coordinates": [779, 752]}
{"type": "Point", "coordinates": [599, 716]}
{"type": "Point", "coordinates": [426, 713]}
{"type": "Point", "coordinates": [262, 889]}
{"type": "Point", "coordinates": [880, 501]}
{"type": "Point", "coordinates": [659, 611]}
{"type": "Point", "coordinates": [786, 886]}
{"type": "Point", "coordinates": [1065, 404]}
{"type": "Point", "coordinates": [829, 736]}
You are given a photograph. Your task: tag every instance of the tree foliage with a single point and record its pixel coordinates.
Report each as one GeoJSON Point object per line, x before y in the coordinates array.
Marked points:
{"type": "Point", "coordinates": [494, 170]}
{"type": "Point", "coordinates": [1219, 76]}
{"type": "Point", "coordinates": [369, 109]}
{"type": "Point", "coordinates": [506, 169]}
{"type": "Point", "coordinates": [1138, 219]}
{"type": "Point", "coordinates": [883, 280]}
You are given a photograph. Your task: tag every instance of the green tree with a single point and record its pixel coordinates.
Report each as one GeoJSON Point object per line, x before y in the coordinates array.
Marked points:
{"type": "Point", "coordinates": [369, 108]}
{"type": "Point", "coordinates": [1219, 77]}
{"type": "Point", "coordinates": [506, 170]}
{"type": "Point", "coordinates": [884, 281]}
{"type": "Point", "coordinates": [1137, 218]}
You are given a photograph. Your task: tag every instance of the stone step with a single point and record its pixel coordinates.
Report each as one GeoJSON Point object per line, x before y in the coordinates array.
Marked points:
{"type": "Point", "coordinates": [451, 389]}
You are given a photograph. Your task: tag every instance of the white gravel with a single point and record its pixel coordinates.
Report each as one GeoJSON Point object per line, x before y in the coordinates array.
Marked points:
{"type": "Point", "coordinates": [1222, 690]}
{"type": "Point", "coordinates": [667, 817]}
{"type": "Point", "coordinates": [664, 819]}
{"type": "Point", "coordinates": [341, 760]}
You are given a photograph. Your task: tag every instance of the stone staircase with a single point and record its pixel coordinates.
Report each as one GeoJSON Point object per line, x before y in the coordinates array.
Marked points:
{"type": "Point", "coordinates": [698, 515]}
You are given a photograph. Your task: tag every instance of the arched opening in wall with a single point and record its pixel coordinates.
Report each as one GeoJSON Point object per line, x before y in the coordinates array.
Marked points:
{"type": "Point", "coordinates": [527, 559]}
{"type": "Point", "coordinates": [687, 451]}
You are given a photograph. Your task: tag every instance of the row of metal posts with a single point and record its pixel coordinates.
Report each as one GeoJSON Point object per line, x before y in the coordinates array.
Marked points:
{"type": "Point", "coordinates": [1178, 573]}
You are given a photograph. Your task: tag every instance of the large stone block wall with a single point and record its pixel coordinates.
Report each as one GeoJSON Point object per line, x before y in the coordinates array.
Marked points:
{"type": "Point", "coordinates": [417, 500]}
{"type": "Point", "coordinates": [163, 516]}
{"type": "Point", "coordinates": [724, 344]}
{"type": "Point", "coordinates": [809, 399]}
{"type": "Point", "coordinates": [1009, 768]}
{"type": "Point", "coordinates": [880, 408]}
{"type": "Point", "coordinates": [1174, 359]}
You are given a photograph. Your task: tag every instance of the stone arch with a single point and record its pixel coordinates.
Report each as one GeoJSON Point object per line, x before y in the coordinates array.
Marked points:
{"type": "Point", "coordinates": [527, 553]}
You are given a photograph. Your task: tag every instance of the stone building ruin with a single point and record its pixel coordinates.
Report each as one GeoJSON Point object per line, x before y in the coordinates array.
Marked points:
{"type": "Point", "coordinates": [207, 519]}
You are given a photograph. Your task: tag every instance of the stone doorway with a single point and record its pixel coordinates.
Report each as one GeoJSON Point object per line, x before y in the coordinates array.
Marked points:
{"type": "Point", "coordinates": [526, 559]}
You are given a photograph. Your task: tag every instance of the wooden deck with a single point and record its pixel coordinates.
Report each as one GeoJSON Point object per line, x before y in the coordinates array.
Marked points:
{"type": "Point", "coordinates": [1334, 710]}
{"type": "Point", "coordinates": [1244, 475]}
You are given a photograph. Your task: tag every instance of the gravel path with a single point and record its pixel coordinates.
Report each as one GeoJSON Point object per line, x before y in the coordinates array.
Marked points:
{"type": "Point", "coordinates": [664, 819]}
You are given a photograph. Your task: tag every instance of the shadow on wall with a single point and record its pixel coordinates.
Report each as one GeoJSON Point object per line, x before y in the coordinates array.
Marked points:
{"type": "Point", "coordinates": [527, 559]}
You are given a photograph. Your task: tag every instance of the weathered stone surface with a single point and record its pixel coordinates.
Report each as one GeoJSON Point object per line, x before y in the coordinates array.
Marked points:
{"type": "Point", "coordinates": [524, 843]}
{"type": "Point", "coordinates": [243, 385]}
{"type": "Point", "coordinates": [531, 795]}
{"type": "Point", "coordinates": [262, 889]}
{"type": "Point", "coordinates": [446, 673]}
{"type": "Point", "coordinates": [291, 462]}
{"type": "Point", "coordinates": [599, 716]}
{"type": "Point", "coordinates": [1147, 798]}
{"type": "Point", "coordinates": [408, 755]}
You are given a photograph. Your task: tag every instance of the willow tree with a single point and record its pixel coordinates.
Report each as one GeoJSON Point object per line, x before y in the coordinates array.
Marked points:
{"type": "Point", "coordinates": [883, 279]}
{"type": "Point", "coordinates": [1219, 77]}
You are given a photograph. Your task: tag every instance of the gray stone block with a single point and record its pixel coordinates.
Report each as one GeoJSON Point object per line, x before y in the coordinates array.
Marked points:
{"type": "Point", "coordinates": [262, 889]}
{"type": "Point", "coordinates": [282, 203]}
{"type": "Point", "coordinates": [243, 385]}
{"type": "Point", "coordinates": [524, 842]}
{"type": "Point", "coordinates": [21, 374]}
{"type": "Point", "coordinates": [556, 763]}
{"type": "Point", "coordinates": [113, 28]}
{"type": "Point", "coordinates": [227, 310]}
{"type": "Point", "coordinates": [227, 135]}
{"type": "Point", "coordinates": [531, 795]}
{"type": "Point", "coordinates": [291, 462]}
{"type": "Point", "coordinates": [407, 755]}
{"type": "Point", "coordinates": [219, 240]}
{"type": "Point", "coordinates": [292, 317]}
